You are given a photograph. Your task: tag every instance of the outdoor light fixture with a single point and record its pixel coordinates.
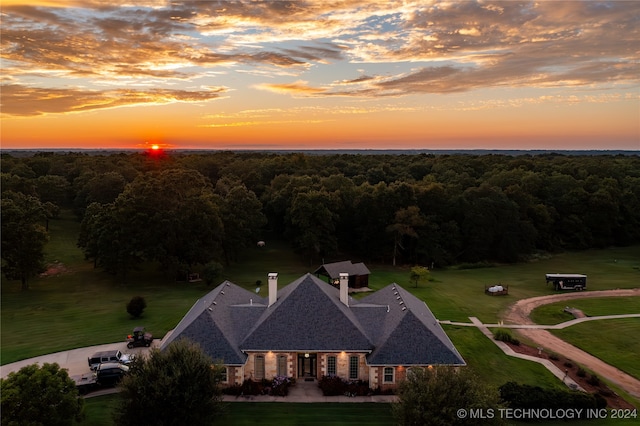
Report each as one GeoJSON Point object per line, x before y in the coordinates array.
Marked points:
{"type": "Point", "coordinates": [306, 355]}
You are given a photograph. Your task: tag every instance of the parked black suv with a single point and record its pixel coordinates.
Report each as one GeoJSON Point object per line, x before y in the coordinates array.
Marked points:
{"type": "Point", "coordinates": [110, 373]}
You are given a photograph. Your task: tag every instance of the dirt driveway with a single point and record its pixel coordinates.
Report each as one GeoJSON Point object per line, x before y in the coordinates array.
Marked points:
{"type": "Point", "coordinates": [519, 314]}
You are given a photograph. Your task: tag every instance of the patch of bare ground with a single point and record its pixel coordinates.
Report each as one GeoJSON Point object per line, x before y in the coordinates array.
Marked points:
{"type": "Point", "coordinates": [571, 368]}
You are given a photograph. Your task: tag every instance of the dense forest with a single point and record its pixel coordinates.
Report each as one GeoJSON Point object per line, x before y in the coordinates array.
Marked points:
{"type": "Point", "coordinates": [185, 210]}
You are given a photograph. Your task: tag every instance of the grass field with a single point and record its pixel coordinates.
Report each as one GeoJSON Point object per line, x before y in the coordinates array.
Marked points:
{"type": "Point", "coordinates": [620, 348]}
{"type": "Point", "coordinates": [615, 341]}
{"type": "Point", "coordinates": [87, 307]}
{"type": "Point", "coordinates": [554, 312]}
{"type": "Point", "coordinates": [84, 306]}
{"type": "Point", "coordinates": [98, 413]}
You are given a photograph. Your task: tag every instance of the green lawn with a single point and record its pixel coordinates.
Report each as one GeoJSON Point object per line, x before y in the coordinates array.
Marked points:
{"type": "Point", "coordinates": [490, 363]}
{"type": "Point", "coordinates": [554, 312]}
{"type": "Point", "coordinates": [614, 341]}
{"type": "Point", "coordinates": [98, 413]}
{"type": "Point", "coordinates": [457, 294]}
{"type": "Point", "coordinates": [87, 307]}
{"type": "Point", "coordinates": [98, 410]}
{"type": "Point", "coordinates": [619, 348]}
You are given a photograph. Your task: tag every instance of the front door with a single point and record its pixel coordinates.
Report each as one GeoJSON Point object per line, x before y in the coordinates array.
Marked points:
{"type": "Point", "coordinates": [307, 365]}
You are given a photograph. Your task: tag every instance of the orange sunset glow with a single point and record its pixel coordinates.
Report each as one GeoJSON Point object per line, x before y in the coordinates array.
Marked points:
{"type": "Point", "coordinates": [350, 74]}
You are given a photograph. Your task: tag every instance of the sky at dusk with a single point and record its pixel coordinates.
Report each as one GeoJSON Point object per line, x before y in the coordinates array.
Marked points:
{"type": "Point", "coordinates": [350, 74]}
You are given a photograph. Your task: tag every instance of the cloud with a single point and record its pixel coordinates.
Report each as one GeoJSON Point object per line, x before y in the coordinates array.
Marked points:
{"type": "Point", "coordinates": [295, 88]}
{"type": "Point", "coordinates": [18, 100]}
{"type": "Point", "coordinates": [424, 47]}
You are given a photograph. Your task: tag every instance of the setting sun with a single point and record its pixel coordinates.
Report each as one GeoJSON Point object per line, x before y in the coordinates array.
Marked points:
{"type": "Point", "coordinates": [155, 147]}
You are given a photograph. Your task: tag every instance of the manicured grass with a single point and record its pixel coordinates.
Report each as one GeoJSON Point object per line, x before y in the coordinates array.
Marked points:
{"type": "Point", "coordinates": [98, 413]}
{"type": "Point", "coordinates": [492, 365]}
{"type": "Point", "coordinates": [457, 294]}
{"type": "Point", "coordinates": [614, 341]}
{"type": "Point", "coordinates": [554, 312]}
{"type": "Point", "coordinates": [283, 414]}
{"type": "Point", "coordinates": [85, 306]}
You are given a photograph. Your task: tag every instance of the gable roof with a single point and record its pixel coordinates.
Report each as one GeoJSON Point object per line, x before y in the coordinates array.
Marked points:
{"type": "Point", "coordinates": [333, 270]}
{"type": "Point", "coordinates": [410, 334]}
{"type": "Point", "coordinates": [218, 322]}
{"type": "Point", "coordinates": [308, 316]}
{"type": "Point", "coordinates": [391, 325]}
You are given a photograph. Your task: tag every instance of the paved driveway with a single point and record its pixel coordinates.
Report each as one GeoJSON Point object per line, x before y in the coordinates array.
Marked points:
{"type": "Point", "coordinates": [75, 360]}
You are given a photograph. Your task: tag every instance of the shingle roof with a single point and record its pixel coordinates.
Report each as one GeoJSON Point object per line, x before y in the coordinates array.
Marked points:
{"type": "Point", "coordinates": [308, 316]}
{"type": "Point", "coordinates": [333, 270]}
{"type": "Point", "coordinates": [392, 325]}
{"type": "Point", "coordinates": [219, 321]}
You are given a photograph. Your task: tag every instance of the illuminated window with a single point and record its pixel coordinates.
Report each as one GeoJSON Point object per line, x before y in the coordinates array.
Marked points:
{"type": "Point", "coordinates": [223, 374]}
{"type": "Point", "coordinates": [282, 365]}
{"type": "Point", "coordinates": [388, 374]}
{"type": "Point", "coordinates": [331, 366]}
{"type": "Point", "coordinates": [353, 367]}
{"type": "Point", "coordinates": [259, 367]}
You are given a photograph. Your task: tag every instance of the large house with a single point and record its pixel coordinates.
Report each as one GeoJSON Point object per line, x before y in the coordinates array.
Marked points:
{"type": "Point", "coordinates": [310, 329]}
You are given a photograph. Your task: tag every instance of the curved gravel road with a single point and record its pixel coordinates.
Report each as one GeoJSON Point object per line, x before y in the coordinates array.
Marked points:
{"type": "Point", "coordinates": [519, 314]}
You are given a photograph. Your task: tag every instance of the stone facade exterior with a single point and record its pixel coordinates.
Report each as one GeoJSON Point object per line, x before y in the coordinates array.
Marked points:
{"type": "Point", "coordinates": [236, 375]}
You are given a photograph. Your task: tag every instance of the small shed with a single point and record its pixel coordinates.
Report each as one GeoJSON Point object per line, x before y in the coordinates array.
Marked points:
{"type": "Point", "coordinates": [358, 273]}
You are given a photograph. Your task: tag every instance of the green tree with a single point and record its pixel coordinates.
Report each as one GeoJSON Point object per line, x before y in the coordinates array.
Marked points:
{"type": "Point", "coordinates": [178, 386]}
{"type": "Point", "coordinates": [434, 395]}
{"type": "Point", "coordinates": [242, 217]}
{"type": "Point", "coordinates": [172, 217]}
{"type": "Point", "coordinates": [109, 239]}
{"type": "Point", "coordinates": [419, 274]}
{"type": "Point", "coordinates": [136, 306]}
{"type": "Point", "coordinates": [53, 188]}
{"type": "Point", "coordinates": [39, 396]}
{"type": "Point", "coordinates": [211, 272]}
{"type": "Point", "coordinates": [406, 221]}
{"type": "Point", "coordinates": [313, 223]}
{"type": "Point", "coordinates": [23, 236]}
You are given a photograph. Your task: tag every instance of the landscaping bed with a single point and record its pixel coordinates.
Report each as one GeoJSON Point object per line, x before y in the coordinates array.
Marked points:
{"type": "Point", "coordinates": [585, 379]}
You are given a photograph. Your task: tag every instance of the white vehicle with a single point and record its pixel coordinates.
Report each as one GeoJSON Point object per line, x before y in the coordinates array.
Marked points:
{"type": "Point", "coordinates": [108, 356]}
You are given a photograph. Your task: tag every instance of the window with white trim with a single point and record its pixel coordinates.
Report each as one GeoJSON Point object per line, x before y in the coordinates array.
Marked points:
{"type": "Point", "coordinates": [223, 373]}
{"type": "Point", "coordinates": [282, 365]}
{"type": "Point", "coordinates": [331, 366]}
{"type": "Point", "coordinates": [353, 367]}
{"type": "Point", "coordinates": [389, 373]}
{"type": "Point", "coordinates": [259, 367]}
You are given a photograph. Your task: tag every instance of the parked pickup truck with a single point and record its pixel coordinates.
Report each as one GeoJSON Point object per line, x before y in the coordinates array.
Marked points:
{"type": "Point", "coordinates": [106, 375]}
{"type": "Point", "coordinates": [108, 356]}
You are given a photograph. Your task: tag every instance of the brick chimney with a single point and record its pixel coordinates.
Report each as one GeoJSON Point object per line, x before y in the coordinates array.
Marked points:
{"type": "Point", "coordinates": [344, 288]}
{"type": "Point", "coordinates": [273, 287]}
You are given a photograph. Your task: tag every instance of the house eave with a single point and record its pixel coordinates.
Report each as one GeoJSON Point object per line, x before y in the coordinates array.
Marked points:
{"type": "Point", "coordinates": [417, 365]}
{"type": "Point", "coordinates": [363, 351]}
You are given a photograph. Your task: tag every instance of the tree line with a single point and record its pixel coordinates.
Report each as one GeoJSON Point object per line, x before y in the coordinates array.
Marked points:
{"type": "Point", "coordinates": [187, 209]}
